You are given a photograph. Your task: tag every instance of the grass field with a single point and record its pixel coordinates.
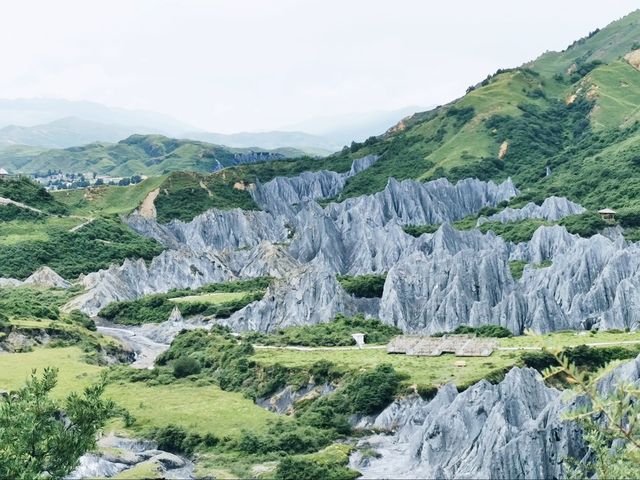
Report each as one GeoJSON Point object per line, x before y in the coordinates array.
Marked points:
{"type": "Point", "coordinates": [74, 374]}
{"type": "Point", "coordinates": [18, 231]}
{"type": "Point", "coordinates": [568, 339]}
{"type": "Point", "coordinates": [420, 370]}
{"type": "Point", "coordinates": [205, 409]}
{"type": "Point", "coordinates": [214, 298]}
{"type": "Point", "coordinates": [107, 200]}
{"type": "Point", "coordinates": [442, 369]}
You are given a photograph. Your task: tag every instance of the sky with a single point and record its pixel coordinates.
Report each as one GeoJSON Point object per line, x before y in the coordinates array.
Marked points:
{"type": "Point", "coordinates": [246, 65]}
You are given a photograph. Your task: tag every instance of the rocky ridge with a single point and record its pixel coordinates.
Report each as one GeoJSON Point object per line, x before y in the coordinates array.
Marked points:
{"type": "Point", "coordinates": [552, 209]}
{"type": "Point", "coordinates": [434, 283]}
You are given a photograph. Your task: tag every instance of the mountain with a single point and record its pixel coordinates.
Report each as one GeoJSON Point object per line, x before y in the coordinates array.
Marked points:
{"type": "Point", "coordinates": [554, 125]}
{"type": "Point", "coordinates": [311, 144]}
{"type": "Point", "coordinates": [137, 154]}
{"type": "Point", "coordinates": [66, 132]}
{"type": "Point", "coordinates": [29, 112]}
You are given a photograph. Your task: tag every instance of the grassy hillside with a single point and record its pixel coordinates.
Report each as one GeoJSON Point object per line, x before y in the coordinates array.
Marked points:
{"type": "Point", "coordinates": [573, 112]}
{"type": "Point", "coordinates": [137, 154]}
{"type": "Point", "coordinates": [604, 45]}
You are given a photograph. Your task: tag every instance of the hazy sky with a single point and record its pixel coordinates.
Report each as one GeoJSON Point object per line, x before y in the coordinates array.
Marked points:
{"type": "Point", "coordinates": [229, 65]}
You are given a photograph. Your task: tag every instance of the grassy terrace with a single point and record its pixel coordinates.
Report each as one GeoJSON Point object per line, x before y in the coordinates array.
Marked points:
{"type": "Point", "coordinates": [420, 370]}
{"type": "Point", "coordinates": [442, 369]}
{"type": "Point", "coordinates": [213, 298]}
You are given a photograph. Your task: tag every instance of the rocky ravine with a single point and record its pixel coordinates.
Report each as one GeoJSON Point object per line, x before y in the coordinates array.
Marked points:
{"type": "Point", "coordinates": [434, 283]}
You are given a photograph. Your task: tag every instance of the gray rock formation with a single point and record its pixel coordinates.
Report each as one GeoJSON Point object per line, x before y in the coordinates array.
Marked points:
{"type": "Point", "coordinates": [510, 430]}
{"type": "Point", "coordinates": [552, 209]}
{"type": "Point", "coordinates": [43, 277]}
{"type": "Point", "coordinates": [451, 281]}
{"type": "Point", "coordinates": [119, 455]}
{"type": "Point", "coordinates": [284, 400]}
{"type": "Point", "coordinates": [215, 230]}
{"type": "Point", "coordinates": [46, 277]}
{"type": "Point", "coordinates": [285, 195]}
{"type": "Point", "coordinates": [308, 296]}
{"type": "Point", "coordinates": [133, 279]}
{"type": "Point", "coordinates": [515, 429]}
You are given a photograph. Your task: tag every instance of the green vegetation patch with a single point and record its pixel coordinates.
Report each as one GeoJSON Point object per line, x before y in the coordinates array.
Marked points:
{"type": "Point", "coordinates": [185, 195]}
{"type": "Point", "coordinates": [216, 299]}
{"type": "Point", "coordinates": [25, 191]}
{"type": "Point", "coordinates": [31, 302]}
{"type": "Point", "coordinates": [333, 334]}
{"type": "Point", "coordinates": [92, 247]}
{"type": "Point", "coordinates": [367, 286]}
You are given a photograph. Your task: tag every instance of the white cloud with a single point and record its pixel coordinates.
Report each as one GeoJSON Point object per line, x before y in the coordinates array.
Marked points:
{"type": "Point", "coordinates": [232, 65]}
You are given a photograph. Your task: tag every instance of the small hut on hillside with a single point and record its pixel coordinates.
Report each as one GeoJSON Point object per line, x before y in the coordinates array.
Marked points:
{"type": "Point", "coordinates": [607, 214]}
{"type": "Point", "coordinates": [3, 174]}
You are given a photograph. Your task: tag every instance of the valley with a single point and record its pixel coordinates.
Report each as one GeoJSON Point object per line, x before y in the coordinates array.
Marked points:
{"type": "Point", "coordinates": [215, 305]}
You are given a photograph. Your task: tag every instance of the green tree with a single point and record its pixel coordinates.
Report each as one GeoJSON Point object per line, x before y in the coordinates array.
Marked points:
{"type": "Point", "coordinates": [43, 438]}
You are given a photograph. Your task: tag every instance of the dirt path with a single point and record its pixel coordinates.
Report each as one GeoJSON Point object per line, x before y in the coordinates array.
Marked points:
{"type": "Point", "coordinates": [313, 349]}
{"type": "Point", "coordinates": [8, 201]}
{"type": "Point", "coordinates": [147, 208]}
{"type": "Point", "coordinates": [87, 221]}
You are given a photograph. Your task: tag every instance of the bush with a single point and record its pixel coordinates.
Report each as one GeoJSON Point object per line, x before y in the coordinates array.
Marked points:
{"type": "Point", "coordinates": [335, 333]}
{"type": "Point", "coordinates": [93, 247]}
{"type": "Point", "coordinates": [495, 331]}
{"type": "Point", "coordinates": [287, 437]}
{"type": "Point", "coordinates": [156, 308]}
{"type": "Point", "coordinates": [585, 225]}
{"type": "Point", "coordinates": [367, 286]}
{"type": "Point", "coordinates": [291, 468]}
{"type": "Point", "coordinates": [176, 439]}
{"type": "Point", "coordinates": [372, 391]}
{"type": "Point", "coordinates": [76, 316]}
{"type": "Point", "coordinates": [582, 356]}
{"type": "Point", "coordinates": [185, 366]}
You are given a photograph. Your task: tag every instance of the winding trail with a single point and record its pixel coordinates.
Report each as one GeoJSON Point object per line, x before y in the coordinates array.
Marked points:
{"type": "Point", "coordinates": [87, 221]}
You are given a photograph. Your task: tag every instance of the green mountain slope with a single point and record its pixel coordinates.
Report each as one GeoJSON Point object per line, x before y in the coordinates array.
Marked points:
{"type": "Point", "coordinates": [572, 113]}
{"type": "Point", "coordinates": [137, 154]}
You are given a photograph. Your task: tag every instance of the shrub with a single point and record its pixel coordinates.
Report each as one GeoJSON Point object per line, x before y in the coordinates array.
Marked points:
{"type": "Point", "coordinates": [185, 366]}
{"type": "Point", "coordinates": [585, 225]}
{"type": "Point", "coordinates": [76, 316]}
{"type": "Point", "coordinates": [176, 439]}
{"type": "Point", "coordinates": [496, 331]}
{"type": "Point", "coordinates": [292, 468]}
{"type": "Point", "coordinates": [367, 286]}
{"type": "Point", "coordinates": [335, 333]}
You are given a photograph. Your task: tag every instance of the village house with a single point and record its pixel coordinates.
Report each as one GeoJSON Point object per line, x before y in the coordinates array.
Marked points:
{"type": "Point", "coordinates": [3, 174]}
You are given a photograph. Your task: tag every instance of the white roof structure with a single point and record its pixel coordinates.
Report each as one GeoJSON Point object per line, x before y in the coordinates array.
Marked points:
{"type": "Point", "coordinates": [3, 171]}
{"type": "Point", "coordinates": [606, 210]}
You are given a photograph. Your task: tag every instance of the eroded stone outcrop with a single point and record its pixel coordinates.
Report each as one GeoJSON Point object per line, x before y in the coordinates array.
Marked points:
{"type": "Point", "coordinates": [307, 296]}
{"type": "Point", "coordinates": [133, 279]}
{"type": "Point", "coordinates": [514, 429]}
{"type": "Point", "coordinates": [43, 277]}
{"type": "Point", "coordinates": [552, 209]}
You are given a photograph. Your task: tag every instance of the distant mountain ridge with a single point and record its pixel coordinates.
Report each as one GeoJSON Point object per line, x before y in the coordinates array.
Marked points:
{"type": "Point", "coordinates": [29, 112]}
{"type": "Point", "coordinates": [136, 155]}
{"type": "Point", "coordinates": [55, 123]}
{"type": "Point", "coordinates": [66, 132]}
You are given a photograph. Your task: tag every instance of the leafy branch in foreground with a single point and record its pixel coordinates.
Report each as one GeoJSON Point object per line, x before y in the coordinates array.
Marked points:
{"type": "Point", "coordinates": [43, 438]}
{"type": "Point", "coordinates": [610, 423]}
